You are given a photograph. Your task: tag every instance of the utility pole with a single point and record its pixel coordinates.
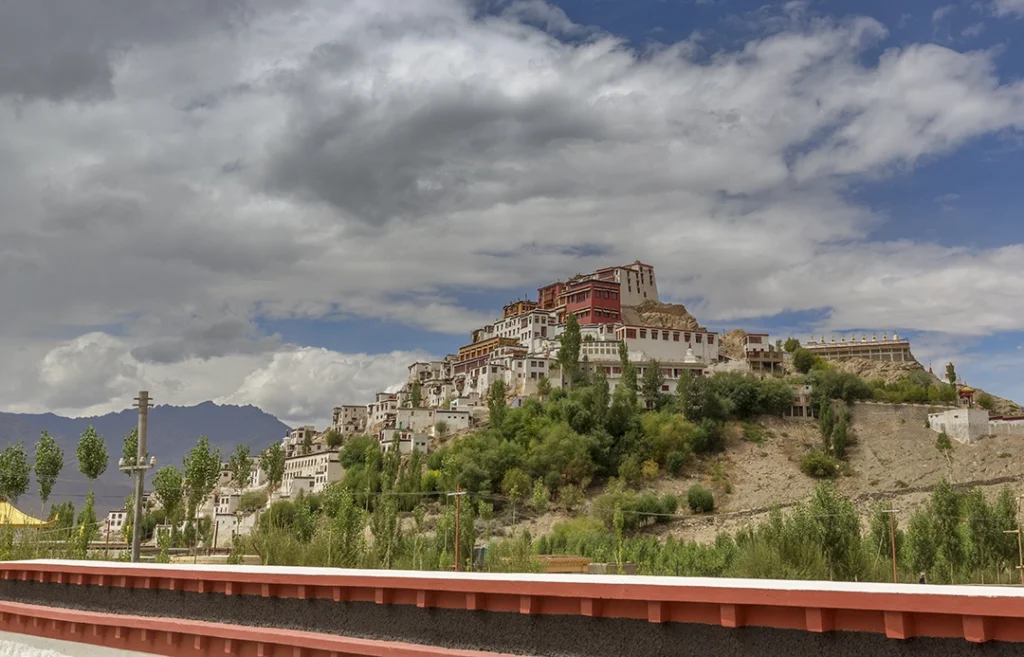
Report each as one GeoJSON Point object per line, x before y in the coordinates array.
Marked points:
{"type": "Point", "coordinates": [138, 469]}
{"type": "Point", "coordinates": [892, 511]}
{"type": "Point", "coordinates": [458, 517]}
{"type": "Point", "coordinates": [1020, 545]}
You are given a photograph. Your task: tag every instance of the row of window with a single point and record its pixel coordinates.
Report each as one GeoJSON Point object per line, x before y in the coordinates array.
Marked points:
{"type": "Point", "coordinates": [631, 333]}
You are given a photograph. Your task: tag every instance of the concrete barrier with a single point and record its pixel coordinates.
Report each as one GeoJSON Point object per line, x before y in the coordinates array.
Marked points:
{"type": "Point", "coordinates": [446, 613]}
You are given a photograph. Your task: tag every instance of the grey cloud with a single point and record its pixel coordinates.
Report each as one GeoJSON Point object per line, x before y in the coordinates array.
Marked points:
{"type": "Point", "coordinates": [208, 340]}
{"type": "Point", "coordinates": [64, 49]}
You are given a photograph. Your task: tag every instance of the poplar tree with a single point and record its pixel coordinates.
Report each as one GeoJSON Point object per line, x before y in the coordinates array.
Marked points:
{"type": "Point", "coordinates": [49, 463]}
{"type": "Point", "coordinates": [569, 352]}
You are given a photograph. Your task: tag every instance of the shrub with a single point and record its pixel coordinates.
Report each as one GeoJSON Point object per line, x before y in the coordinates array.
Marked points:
{"type": "Point", "coordinates": [942, 443]}
{"type": "Point", "coordinates": [252, 500]}
{"type": "Point", "coordinates": [669, 504]}
{"type": "Point", "coordinates": [570, 497]}
{"type": "Point", "coordinates": [792, 344]}
{"type": "Point", "coordinates": [676, 461]}
{"type": "Point", "coordinates": [700, 499]}
{"type": "Point", "coordinates": [986, 401]}
{"type": "Point", "coordinates": [803, 360]}
{"type": "Point", "coordinates": [753, 433]}
{"type": "Point", "coordinates": [649, 470]}
{"type": "Point", "coordinates": [819, 465]}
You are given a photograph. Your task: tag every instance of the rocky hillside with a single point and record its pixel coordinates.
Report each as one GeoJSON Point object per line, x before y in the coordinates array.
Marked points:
{"type": "Point", "coordinates": [731, 344]}
{"type": "Point", "coordinates": [874, 370]}
{"type": "Point", "coordinates": [664, 315]}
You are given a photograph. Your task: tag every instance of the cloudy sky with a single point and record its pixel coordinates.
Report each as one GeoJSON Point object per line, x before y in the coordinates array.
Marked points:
{"type": "Point", "coordinates": [284, 202]}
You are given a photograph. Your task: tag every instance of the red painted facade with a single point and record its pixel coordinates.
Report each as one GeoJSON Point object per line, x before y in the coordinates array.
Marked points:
{"type": "Point", "coordinates": [547, 296]}
{"type": "Point", "coordinates": [592, 301]}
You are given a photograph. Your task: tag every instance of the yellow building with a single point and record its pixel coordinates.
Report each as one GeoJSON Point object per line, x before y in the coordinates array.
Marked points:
{"type": "Point", "coordinates": [484, 347]}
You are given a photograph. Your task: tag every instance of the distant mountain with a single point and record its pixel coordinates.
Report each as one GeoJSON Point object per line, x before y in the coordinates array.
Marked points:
{"type": "Point", "coordinates": [173, 430]}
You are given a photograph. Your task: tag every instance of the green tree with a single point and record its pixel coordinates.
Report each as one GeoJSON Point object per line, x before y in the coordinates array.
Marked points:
{"type": "Point", "coordinates": [88, 529]}
{"type": "Point", "coordinates": [496, 404]}
{"type": "Point", "coordinates": [272, 464]}
{"type": "Point", "coordinates": [516, 486]}
{"type": "Point", "coordinates": [48, 464]}
{"type": "Point", "coordinates": [15, 472]}
{"type": "Point", "coordinates": [951, 374]}
{"type": "Point", "coordinates": [628, 380]}
{"type": "Point", "coordinates": [792, 344]}
{"type": "Point", "coordinates": [130, 451]}
{"type": "Point", "coordinates": [440, 429]}
{"type": "Point", "coordinates": [307, 443]}
{"type": "Point", "coordinates": [650, 386]}
{"type": "Point", "coordinates": [334, 439]}
{"type": "Point", "coordinates": [92, 454]}
{"type": "Point", "coordinates": [987, 401]}
{"type": "Point", "coordinates": [921, 542]}
{"type": "Point", "coordinates": [840, 436]}
{"type": "Point", "coordinates": [826, 424]}
{"type": "Point", "coordinates": [881, 533]}
{"type": "Point", "coordinates": [416, 394]}
{"type": "Point", "coordinates": [945, 506]}
{"type": "Point", "coordinates": [569, 351]}
{"type": "Point", "coordinates": [803, 360]}
{"type": "Point", "coordinates": [543, 387]}
{"type": "Point", "coordinates": [240, 465]}
{"type": "Point", "coordinates": [201, 469]}
{"type": "Point", "coordinates": [168, 486]}
{"type": "Point", "coordinates": [600, 395]}
{"type": "Point", "coordinates": [540, 498]}
{"type": "Point", "coordinates": [698, 400]}
{"type": "Point", "coordinates": [838, 530]}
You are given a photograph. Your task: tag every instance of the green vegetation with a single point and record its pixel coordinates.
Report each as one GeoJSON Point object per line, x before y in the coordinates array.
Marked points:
{"type": "Point", "coordinates": [791, 345]}
{"type": "Point", "coordinates": [987, 401]}
{"type": "Point", "coordinates": [915, 388]}
{"type": "Point", "coordinates": [700, 499]}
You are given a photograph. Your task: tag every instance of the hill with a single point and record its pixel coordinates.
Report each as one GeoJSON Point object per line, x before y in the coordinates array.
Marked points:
{"type": "Point", "coordinates": [173, 430]}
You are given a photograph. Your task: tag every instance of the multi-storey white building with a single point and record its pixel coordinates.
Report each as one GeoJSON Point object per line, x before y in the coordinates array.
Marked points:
{"type": "Point", "coordinates": [414, 419]}
{"type": "Point", "coordinates": [670, 344]}
{"type": "Point", "coordinates": [636, 282]}
{"type": "Point", "coordinates": [407, 441]}
{"type": "Point", "coordinates": [382, 411]}
{"type": "Point", "coordinates": [349, 420]}
{"type": "Point", "coordinates": [321, 468]}
{"type": "Point", "coordinates": [115, 523]}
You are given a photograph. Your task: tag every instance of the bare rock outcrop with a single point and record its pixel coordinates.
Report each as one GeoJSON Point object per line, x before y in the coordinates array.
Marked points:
{"type": "Point", "coordinates": [731, 345]}
{"type": "Point", "coordinates": [662, 315]}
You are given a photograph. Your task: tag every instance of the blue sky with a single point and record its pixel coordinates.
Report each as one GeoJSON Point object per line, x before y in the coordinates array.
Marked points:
{"type": "Point", "coordinates": [286, 211]}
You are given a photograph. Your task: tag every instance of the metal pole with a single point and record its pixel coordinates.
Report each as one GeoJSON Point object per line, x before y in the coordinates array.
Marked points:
{"type": "Point", "coordinates": [458, 515]}
{"type": "Point", "coordinates": [892, 540]}
{"type": "Point", "coordinates": [140, 474]}
{"type": "Point", "coordinates": [106, 543]}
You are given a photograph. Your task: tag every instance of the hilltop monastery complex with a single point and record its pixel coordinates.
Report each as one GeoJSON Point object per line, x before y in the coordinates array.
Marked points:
{"type": "Point", "coordinates": [614, 305]}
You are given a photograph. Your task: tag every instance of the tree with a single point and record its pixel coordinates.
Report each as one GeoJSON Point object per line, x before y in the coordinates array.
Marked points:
{"type": "Point", "coordinates": [496, 404]}
{"type": "Point", "coordinates": [440, 429]}
{"type": "Point", "coordinates": [987, 401]}
{"type": "Point", "coordinates": [168, 486]}
{"type": "Point", "coordinates": [130, 451]}
{"type": "Point", "coordinates": [516, 486]}
{"type": "Point", "coordinates": [48, 464]}
{"type": "Point", "coordinates": [272, 464]}
{"type": "Point", "coordinates": [201, 469]}
{"type": "Point", "coordinates": [840, 436]}
{"type": "Point", "coordinates": [698, 401]}
{"type": "Point", "coordinates": [14, 472]}
{"type": "Point", "coordinates": [628, 382]}
{"type": "Point", "coordinates": [569, 352]}
{"type": "Point", "coordinates": [543, 387]}
{"type": "Point", "coordinates": [92, 454]}
{"type": "Point", "coordinates": [792, 344]}
{"type": "Point", "coordinates": [837, 530]}
{"type": "Point", "coordinates": [650, 387]}
{"type": "Point", "coordinates": [334, 439]}
{"type": "Point", "coordinates": [540, 498]}
{"type": "Point", "coordinates": [951, 374]}
{"type": "Point", "coordinates": [416, 394]}
{"type": "Point", "coordinates": [307, 443]}
{"type": "Point", "coordinates": [240, 465]}
{"type": "Point", "coordinates": [803, 360]}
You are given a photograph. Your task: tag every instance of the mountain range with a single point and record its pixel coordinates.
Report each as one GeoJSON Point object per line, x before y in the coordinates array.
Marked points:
{"type": "Point", "coordinates": [173, 430]}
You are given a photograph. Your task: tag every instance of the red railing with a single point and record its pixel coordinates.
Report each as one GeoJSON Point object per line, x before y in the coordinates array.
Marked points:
{"type": "Point", "coordinates": [977, 614]}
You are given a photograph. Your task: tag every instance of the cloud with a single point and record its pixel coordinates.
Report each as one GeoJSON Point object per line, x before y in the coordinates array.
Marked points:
{"type": "Point", "coordinates": [306, 383]}
{"type": "Point", "coordinates": [942, 12]}
{"type": "Point", "coordinates": [1009, 7]}
{"type": "Point", "coordinates": [209, 168]}
{"type": "Point", "coordinates": [97, 373]}
{"type": "Point", "coordinates": [973, 30]}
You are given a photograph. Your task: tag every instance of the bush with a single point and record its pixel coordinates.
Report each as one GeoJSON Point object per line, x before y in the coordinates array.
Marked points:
{"type": "Point", "coordinates": [700, 499]}
{"type": "Point", "coordinates": [650, 470]}
{"type": "Point", "coordinates": [753, 433]}
{"type": "Point", "coordinates": [986, 401]}
{"type": "Point", "coordinates": [803, 360]}
{"type": "Point", "coordinates": [942, 443]}
{"type": "Point", "coordinates": [792, 344]}
{"type": "Point", "coordinates": [676, 462]}
{"type": "Point", "coordinates": [570, 497]}
{"type": "Point", "coordinates": [819, 465]}
{"type": "Point", "coordinates": [669, 504]}
{"type": "Point", "coordinates": [252, 501]}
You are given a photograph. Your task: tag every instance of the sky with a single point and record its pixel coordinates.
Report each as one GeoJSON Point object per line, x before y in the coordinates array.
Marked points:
{"type": "Point", "coordinates": [286, 202]}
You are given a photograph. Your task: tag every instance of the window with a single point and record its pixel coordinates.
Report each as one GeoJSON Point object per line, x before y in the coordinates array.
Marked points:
{"type": "Point", "coordinates": [675, 337]}
{"type": "Point", "coordinates": [664, 335]}
{"type": "Point", "coordinates": [654, 335]}
{"type": "Point", "coordinates": [686, 337]}
{"type": "Point", "coordinates": [699, 338]}
{"type": "Point", "coordinates": [643, 333]}
{"type": "Point", "coordinates": [631, 333]}
{"type": "Point", "coordinates": [664, 388]}
{"type": "Point", "coordinates": [711, 339]}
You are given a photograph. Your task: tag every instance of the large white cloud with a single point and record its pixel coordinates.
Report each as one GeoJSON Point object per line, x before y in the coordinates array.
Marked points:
{"type": "Point", "coordinates": [375, 158]}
